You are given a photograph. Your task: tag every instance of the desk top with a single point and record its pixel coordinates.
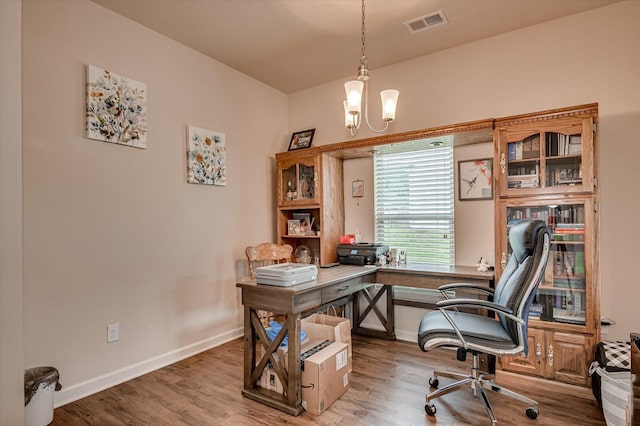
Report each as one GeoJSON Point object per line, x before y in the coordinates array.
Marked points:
{"type": "Point", "coordinates": [326, 277]}
{"type": "Point", "coordinates": [329, 276]}
{"type": "Point", "coordinates": [456, 271]}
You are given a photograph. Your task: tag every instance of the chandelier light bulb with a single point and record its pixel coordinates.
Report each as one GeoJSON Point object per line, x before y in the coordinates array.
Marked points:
{"type": "Point", "coordinates": [349, 119]}
{"type": "Point", "coordinates": [353, 90]}
{"type": "Point", "coordinates": [389, 100]}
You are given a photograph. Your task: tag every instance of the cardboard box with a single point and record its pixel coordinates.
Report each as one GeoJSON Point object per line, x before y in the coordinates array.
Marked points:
{"type": "Point", "coordinates": [325, 378]}
{"type": "Point", "coordinates": [329, 327]}
{"type": "Point", "coordinates": [269, 378]}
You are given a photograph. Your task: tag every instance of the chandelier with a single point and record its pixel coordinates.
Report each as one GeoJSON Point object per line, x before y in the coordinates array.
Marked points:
{"type": "Point", "coordinates": [354, 88]}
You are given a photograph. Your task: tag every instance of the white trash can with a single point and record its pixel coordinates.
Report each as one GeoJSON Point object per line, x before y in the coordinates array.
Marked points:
{"type": "Point", "coordinates": [39, 385]}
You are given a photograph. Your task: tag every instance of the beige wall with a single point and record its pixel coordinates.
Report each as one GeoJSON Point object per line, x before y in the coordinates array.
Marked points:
{"type": "Point", "coordinates": [115, 234]}
{"type": "Point", "coordinates": [11, 340]}
{"type": "Point", "coordinates": [589, 57]}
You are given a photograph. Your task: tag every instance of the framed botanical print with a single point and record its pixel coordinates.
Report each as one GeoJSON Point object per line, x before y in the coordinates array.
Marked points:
{"type": "Point", "coordinates": [475, 179]}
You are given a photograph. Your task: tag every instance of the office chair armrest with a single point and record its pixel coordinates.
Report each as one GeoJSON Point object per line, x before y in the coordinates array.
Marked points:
{"type": "Point", "coordinates": [465, 286]}
{"type": "Point", "coordinates": [481, 304]}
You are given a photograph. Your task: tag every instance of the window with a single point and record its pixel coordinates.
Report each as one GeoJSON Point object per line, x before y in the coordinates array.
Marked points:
{"type": "Point", "coordinates": [414, 203]}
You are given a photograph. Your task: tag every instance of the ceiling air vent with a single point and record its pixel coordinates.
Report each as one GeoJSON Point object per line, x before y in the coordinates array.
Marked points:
{"type": "Point", "coordinates": [426, 22]}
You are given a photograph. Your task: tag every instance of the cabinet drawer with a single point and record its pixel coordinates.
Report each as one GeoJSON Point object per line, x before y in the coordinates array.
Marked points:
{"type": "Point", "coordinates": [345, 288]}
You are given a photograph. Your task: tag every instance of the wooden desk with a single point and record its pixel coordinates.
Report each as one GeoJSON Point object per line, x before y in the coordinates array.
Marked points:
{"type": "Point", "coordinates": [333, 284]}
{"type": "Point", "coordinates": [412, 275]}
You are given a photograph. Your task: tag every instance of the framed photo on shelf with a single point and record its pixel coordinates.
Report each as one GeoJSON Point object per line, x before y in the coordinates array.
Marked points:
{"type": "Point", "coordinates": [301, 140]}
{"type": "Point", "coordinates": [304, 218]}
{"type": "Point", "coordinates": [475, 179]}
{"type": "Point", "coordinates": [293, 227]}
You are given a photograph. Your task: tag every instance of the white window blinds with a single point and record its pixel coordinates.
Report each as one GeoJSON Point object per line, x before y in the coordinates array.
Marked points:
{"type": "Point", "coordinates": [414, 204]}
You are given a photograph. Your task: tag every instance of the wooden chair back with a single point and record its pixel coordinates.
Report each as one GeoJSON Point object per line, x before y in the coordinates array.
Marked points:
{"type": "Point", "coordinates": [267, 254]}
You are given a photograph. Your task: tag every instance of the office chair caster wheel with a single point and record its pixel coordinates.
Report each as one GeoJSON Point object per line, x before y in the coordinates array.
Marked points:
{"type": "Point", "coordinates": [532, 413]}
{"type": "Point", "coordinates": [430, 409]}
{"type": "Point", "coordinates": [433, 382]}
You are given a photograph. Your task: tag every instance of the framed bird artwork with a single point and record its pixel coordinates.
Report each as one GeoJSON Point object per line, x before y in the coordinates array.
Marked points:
{"type": "Point", "coordinates": [475, 179]}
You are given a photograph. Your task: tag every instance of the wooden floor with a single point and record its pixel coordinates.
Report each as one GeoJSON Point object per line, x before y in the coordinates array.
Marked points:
{"type": "Point", "coordinates": [388, 385]}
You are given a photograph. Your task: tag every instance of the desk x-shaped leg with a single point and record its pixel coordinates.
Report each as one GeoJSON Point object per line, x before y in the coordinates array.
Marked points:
{"type": "Point", "coordinates": [255, 333]}
{"type": "Point", "coordinates": [387, 321]}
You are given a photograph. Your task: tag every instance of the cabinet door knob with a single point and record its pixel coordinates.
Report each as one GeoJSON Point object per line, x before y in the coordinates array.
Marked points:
{"type": "Point", "coordinates": [550, 356]}
{"type": "Point", "coordinates": [503, 163]}
{"type": "Point", "coordinates": [539, 352]}
{"type": "Point", "coordinates": [503, 260]}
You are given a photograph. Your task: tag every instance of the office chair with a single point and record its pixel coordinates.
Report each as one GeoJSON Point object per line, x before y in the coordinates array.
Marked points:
{"type": "Point", "coordinates": [477, 333]}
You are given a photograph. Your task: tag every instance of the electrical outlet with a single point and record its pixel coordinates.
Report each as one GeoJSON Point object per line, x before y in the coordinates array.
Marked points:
{"type": "Point", "coordinates": [113, 332]}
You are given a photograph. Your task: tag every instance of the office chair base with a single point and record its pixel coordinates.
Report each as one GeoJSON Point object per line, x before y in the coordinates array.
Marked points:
{"type": "Point", "coordinates": [478, 382]}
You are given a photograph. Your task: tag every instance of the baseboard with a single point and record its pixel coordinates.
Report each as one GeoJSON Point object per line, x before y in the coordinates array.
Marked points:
{"type": "Point", "coordinates": [89, 387]}
{"type": "Point", "coordinates": [407, 336]}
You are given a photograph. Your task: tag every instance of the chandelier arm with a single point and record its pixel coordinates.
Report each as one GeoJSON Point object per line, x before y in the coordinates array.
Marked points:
{"type": "Point", "coordinates": [366, 110]}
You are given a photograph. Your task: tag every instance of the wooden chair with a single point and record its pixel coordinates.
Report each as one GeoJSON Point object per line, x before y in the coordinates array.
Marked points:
{"type": "Point", "coordinates": [267, 254]}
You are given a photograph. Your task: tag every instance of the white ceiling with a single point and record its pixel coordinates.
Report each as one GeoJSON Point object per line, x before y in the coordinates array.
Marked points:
{"type": "Point", "coordinates": [295, 44]}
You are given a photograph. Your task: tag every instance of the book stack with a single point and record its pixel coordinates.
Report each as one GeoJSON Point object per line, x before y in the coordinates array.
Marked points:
{"type": "Point", "coordinates": [569, 232]}
{"type": "Point", "coordinates": [523, 181]}
{"type": "Point", "coordinates": [535, 311]}
{"type": "Point", "coordinates": [565, 176]}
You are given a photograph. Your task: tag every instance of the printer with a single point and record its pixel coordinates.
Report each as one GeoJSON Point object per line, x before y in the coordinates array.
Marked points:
{"type": "Point", "coordinates": [360, 253]}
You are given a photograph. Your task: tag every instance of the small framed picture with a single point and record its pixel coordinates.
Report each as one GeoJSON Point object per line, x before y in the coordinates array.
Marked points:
{"type": "Point", "coordinates": [357, 189]}
{"type": "Point", "coordinates": [293, 227]}
{"type": "Point", "coordinates": [475, 179]}
{"type": "Point", "coordinates": [300, 140]}
{"type": "Point", "coordinates": [304, 218]}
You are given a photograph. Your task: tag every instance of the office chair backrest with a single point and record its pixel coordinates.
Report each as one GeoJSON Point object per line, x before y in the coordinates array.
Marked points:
{"type": "Point", "coordinates": [516, 289]}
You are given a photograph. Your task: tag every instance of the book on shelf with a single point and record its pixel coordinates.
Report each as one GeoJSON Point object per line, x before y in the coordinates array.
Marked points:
{"type": "Point", "coordinates": [519, 150]}
{"type": "Point", "coordinates": [571, 283]}
{"type": "Point", "coordinates": [568, 316]}
{"type": "Point", "coordinates": [511, 151]}
{"type": "Point", "coordinates": [569, 230]}
{"type": "Point", "coordinates": [575, 145]}
{"type": "Point", "coordinates": [531, 147]}
{"type": "Point", "coordinates": [558, 144]}
{"type": "Point", "coordinates": [535, 311]}
{"type": "Point", "coordinates": [568, 236]}
{"type": "Point", "coordinates": [552, 144]}
{"type": "Point", "coordinates": [578, 265]}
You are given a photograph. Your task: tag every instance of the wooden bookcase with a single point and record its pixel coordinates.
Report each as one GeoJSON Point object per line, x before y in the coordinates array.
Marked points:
{"type": "Point", "coordinates": [310, 185]}
{"type": "Point", "coordinates": [545, 168]}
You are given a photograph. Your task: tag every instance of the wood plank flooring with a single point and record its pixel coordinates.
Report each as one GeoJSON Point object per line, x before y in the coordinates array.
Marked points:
{"type": "Point", "coordinates": [388, 386]}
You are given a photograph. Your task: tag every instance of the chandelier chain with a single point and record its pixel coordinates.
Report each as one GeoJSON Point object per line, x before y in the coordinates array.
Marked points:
{"type": "Point", "coordinates": [363, 59]}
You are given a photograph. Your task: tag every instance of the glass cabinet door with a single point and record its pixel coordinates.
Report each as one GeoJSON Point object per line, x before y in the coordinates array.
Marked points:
{"type": "Point", "coordinates": [563, 296]}
{"type": "Point", "coordinates": [298, 181]}
{"type": "Point", "coordinates": [549, 158]}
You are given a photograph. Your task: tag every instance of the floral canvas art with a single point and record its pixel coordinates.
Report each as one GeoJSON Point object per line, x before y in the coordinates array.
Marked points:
{"type": "Point", "coordinates": [116, 108]}
{"type": "Point", "coordinates": [206, 157]}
